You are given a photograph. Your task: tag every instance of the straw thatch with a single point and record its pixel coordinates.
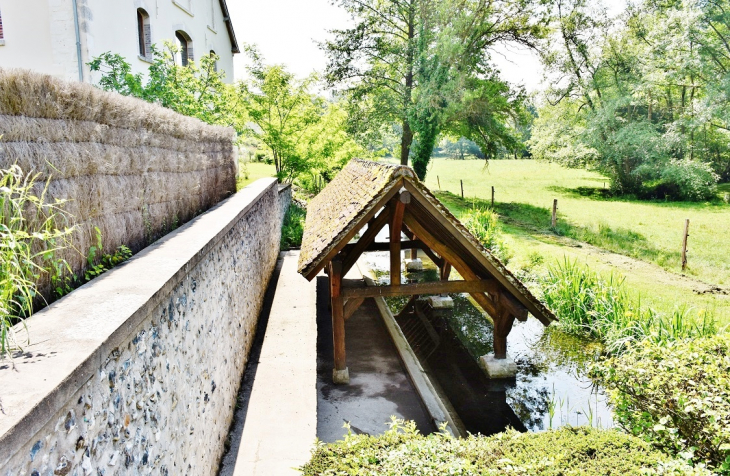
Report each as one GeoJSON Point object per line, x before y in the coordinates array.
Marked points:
{"type": "Point", "coordinates": [131, 168]}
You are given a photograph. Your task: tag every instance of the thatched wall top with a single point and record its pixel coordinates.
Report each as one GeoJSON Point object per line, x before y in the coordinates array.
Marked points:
{"type": "Point", "coordinates": [30, 94]}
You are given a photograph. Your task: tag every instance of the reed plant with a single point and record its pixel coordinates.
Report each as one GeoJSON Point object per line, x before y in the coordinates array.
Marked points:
{"type": "Point", "coordinates": [31, 232]}
{"type": "Point", "coordinates": [602, 308]}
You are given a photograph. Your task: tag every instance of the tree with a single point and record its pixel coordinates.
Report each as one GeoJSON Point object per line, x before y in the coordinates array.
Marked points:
{"type": "Point", "coordinates": [411, 61]}
{"type": "Point", "coordinates": [283, 110]}
{"type": "Point", "coordinates": [641, 97]}
{"type": "Point", "coordinates": [195, 90]}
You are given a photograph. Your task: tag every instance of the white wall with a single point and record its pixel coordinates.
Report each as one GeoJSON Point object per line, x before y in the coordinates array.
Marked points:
{"type": "Point", "coordinates": [27, 34]}
{"type": "Point", "coordinates": [40, 34]}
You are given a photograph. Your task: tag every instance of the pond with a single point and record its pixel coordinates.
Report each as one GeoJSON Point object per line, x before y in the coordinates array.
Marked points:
{"type": "Point", "coordinates": [551, 388]}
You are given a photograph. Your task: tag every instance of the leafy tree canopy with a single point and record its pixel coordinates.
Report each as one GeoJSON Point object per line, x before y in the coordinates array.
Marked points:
{"type": "Point", "coordinates": [425, 65]}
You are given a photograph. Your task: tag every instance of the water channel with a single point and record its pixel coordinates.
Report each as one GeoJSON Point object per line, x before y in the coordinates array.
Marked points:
{"type": "Point", "coordinates": [551, 388]}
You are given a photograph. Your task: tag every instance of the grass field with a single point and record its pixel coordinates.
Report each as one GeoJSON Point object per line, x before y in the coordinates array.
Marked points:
{"type": "Point", "coordinates": [603, 232]}
{"type": "Point", "coordinates": [252, 172]}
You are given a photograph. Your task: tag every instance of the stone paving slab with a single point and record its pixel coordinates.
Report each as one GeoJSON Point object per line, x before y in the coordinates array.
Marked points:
{"type": "Point", "coordinates": [379, 383]}
{"type": "Point", "coordinates": [280, 424]}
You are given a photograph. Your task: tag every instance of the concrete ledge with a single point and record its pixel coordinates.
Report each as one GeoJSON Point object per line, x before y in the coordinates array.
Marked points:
{"type": "Point", "coordinates": [498, 368]}
{"type": "Point", "coordinates": [441, 302]}
{"type": "Point", "coordinates": [73, 338]}
{"type": "Point", "coordinates": [280, 426]}
{"type": "Point", "coordinates": [341, 377]}
{"type": "Point", "coordinates": [414, 264]}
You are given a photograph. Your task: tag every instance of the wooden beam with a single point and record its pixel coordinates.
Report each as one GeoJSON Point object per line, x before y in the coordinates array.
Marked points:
{"type": "Point", "coordinates": [513, 306]}
{"type": "Point", "coordinates": [436, 287]}
{"type": "Point", "coordinates": [351, 306]}
{"type": "Point", "coordinates": [338, 317]}
{"type": "Point", "coordinates": [396, 224]}
{"type": "Point", "coordinates": [384, 199]}
{"type": "Point", "coordinates": [355, 250]}
{"type": "Point", "coordinates": [381, 246]}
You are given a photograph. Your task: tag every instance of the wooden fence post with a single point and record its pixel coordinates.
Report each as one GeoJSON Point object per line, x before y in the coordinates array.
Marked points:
{"type": "Point", "coordinates": [439, 181]}
{"type": "Point", "coordinates": [462, 189]}
{"type": "Point", "coordinates": [555, 213]}
{"type": "Point", "coordinates": [492, 197]}
{"type": "Point", "coordinates": [684, 244]}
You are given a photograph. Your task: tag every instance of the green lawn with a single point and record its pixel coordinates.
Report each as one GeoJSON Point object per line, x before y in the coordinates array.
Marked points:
{"type": "Point", "coordinates": [252, 172]}
{"type": "Point", "coordinates": [649, 231]}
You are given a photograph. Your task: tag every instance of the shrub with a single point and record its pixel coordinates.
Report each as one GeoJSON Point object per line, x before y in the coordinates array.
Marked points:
{"type": "Point", "coordinates": [676, 396]}
{"type": "Point", "coordinates": [567, 451]}
{"type": "Point", "coordinates": [30, 235]}
{"type": "Point", "coordinates": [601, 308]}
{"type": "Point", "coordinates": [484, 225]}
{"type": "Point", "coordinates": [684, 180]}
{"type": "Point", "coordinates": [293, 228]}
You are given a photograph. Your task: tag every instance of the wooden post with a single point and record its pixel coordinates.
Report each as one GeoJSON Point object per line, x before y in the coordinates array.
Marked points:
{"type": "Point", "coordinates": [462, 189]}
{"type": "Point", "coordinates": [439, 181]}
{"type": "Point", "coordinates": [502, 327]}
{"type": "Point", "coordinates": [555, 213]}
{"type": "Point", "coordinates": [340, 374]}
{"type": "Point", "coordinates": [492, 198]}
{"type": "Point", "coordinates": [396, 224]}
{"type": "Point", "coordinates": [684, 244]}
{"type": "Point", "coordinates": [445, 272]}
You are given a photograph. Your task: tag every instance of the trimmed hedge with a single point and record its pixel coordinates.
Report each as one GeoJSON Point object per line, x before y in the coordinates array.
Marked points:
{"type": "Point", "coordinates": [676, 396]}
{"type": "Point", "coordinates": [566, 451]}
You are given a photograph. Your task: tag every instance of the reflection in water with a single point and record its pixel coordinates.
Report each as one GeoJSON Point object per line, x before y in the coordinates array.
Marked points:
{"type": "Point", "coordinates": [551, 388]}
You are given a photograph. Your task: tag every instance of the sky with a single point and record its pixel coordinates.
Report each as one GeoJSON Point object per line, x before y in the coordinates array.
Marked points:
{"type": "Point", "coordinates": [285, 32]}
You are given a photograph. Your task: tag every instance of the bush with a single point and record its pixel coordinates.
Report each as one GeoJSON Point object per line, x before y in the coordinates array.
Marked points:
{"type": "Point", "coordinates": [687, 180]}
{"type": "Point", "coordinates": [293, 228]}
{"type": "Point", "coordinates": [567, 451]}
{"type": "Point", "coordinates": [601, 308]}
{"type": "Point", "coordinates": [484, 225]}
{"type": "Point", "coordinates": [676, 396]}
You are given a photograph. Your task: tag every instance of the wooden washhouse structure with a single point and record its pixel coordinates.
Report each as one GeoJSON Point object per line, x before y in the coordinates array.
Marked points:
{"type": "Point", "coordinates": [365, 197]}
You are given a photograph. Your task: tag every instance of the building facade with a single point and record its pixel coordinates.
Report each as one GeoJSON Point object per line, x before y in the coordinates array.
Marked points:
{"type": "Point", "coordinates": [59, 37]}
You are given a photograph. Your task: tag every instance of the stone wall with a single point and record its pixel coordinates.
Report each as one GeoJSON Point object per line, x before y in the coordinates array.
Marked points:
{"type": "Point", "coordinates": [137, 372]}
{"type": "Point", "coordinates": [285, 196]}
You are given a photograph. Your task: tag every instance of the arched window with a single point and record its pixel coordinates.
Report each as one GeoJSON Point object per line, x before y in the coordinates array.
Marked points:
{"type": "Point", "coordinates": [186, 47]}
{"type": "Point", "coordinates": [144, 33]}
{"type": "Point", "coordinates": [215, 58]}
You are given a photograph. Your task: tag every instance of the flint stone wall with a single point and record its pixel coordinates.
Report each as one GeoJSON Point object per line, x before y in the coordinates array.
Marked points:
{"type": "Point", "coordinates": [137, 372]}
{"type": "Point", "coordinates": [285, 197]}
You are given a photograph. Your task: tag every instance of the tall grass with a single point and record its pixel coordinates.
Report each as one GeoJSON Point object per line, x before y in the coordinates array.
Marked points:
{"type": "Point", "coordinates": [292, 229]}
{"type": "Point", "coordinates": [484, 225]}
{"type": "Point", "coordinates": [29, 238]}
{"type": "Point", "coordinates": [601, 307]}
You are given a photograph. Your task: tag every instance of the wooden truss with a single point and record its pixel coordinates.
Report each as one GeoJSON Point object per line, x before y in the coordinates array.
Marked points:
{"type": "Point", "coordinates": [406, 210]}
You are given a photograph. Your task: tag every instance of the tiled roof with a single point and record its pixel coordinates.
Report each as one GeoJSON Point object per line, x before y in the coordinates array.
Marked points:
{"type": "Point", "coordinates": [333, 213]}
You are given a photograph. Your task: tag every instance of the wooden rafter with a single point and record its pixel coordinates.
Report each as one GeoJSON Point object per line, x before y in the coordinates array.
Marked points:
{"type": "Point", "coordinates": [353, 251]}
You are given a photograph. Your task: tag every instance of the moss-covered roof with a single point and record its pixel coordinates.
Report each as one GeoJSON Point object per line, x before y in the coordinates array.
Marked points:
{"type": "Point", "coordinates": [342, 204]}
{"type": "Point", "coordinates": [340, 209]}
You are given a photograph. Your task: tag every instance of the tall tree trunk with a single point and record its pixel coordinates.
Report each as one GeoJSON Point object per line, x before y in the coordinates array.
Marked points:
{"type": "Point", "coordinates": [407, 137]}
{"type": "Point", "coordinates": [405, 142]}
